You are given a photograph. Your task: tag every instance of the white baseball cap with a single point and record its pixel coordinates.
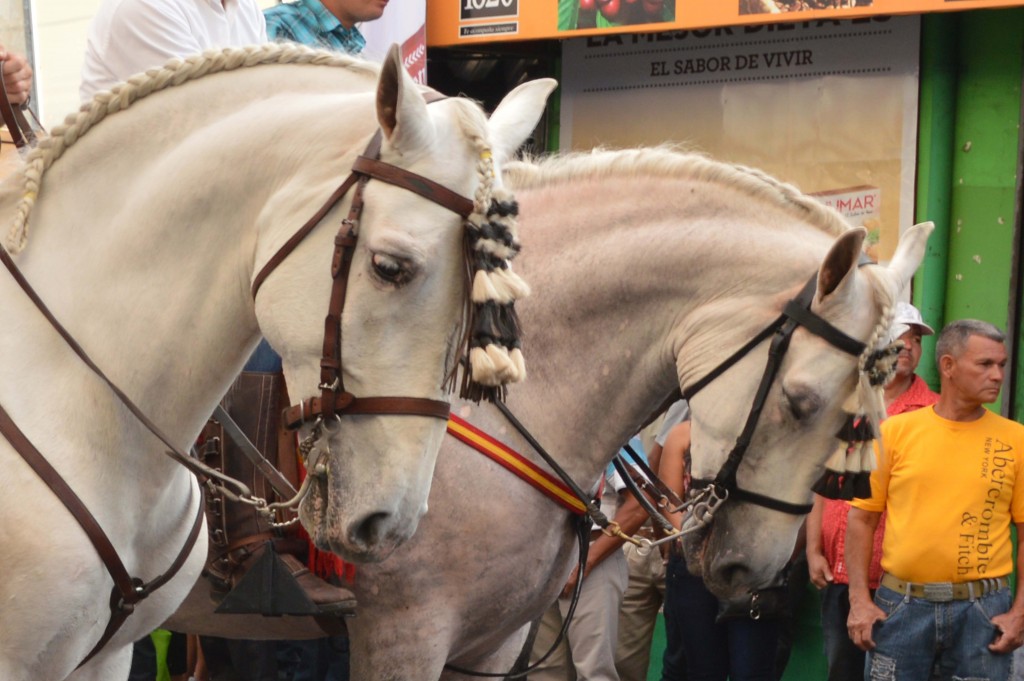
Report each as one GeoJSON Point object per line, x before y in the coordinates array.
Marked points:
{"type": "Point", "coordinates": [906, 316]}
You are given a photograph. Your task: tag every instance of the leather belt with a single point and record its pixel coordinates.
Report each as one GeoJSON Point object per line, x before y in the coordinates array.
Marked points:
{"type": "Point", "coordinates": [943, 592]}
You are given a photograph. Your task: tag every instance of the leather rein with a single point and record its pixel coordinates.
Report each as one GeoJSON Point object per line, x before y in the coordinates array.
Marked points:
{"type": "Point", "coordinates": [22, 133]}
{"type": "Point", "coordinates": [333, 401]}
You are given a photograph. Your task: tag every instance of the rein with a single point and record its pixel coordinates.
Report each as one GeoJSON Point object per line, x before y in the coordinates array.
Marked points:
{"type": "Point", "coordinates": [22, 133]}
{"type": "Point", "coordinates": [129, 591]}
{"type": "Point", "coordinates": [796, 313]}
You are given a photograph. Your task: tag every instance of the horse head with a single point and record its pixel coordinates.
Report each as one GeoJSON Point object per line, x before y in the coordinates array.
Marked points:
{"type": "Point", "coordinates": [413, 285]}
{"type": "Point", "coordinates": [821, 381]}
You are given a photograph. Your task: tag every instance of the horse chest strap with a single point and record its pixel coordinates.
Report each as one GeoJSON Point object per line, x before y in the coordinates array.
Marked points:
{"type": "Point", "coordinates": [127, 590]}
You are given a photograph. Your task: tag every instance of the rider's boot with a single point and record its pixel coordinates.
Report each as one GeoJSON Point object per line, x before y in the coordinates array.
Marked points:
{"type": "Point", "coordinates": [239, 535]}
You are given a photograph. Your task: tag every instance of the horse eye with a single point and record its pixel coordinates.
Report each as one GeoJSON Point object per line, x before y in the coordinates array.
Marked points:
{"type": "Point", "coordinates": [803, 404]}
{"type": "Point", "coordinates": [391, 269]}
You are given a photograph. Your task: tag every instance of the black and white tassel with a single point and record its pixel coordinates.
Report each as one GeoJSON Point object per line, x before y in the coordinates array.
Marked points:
{"type": "Point", "coordinates": [495, 353]}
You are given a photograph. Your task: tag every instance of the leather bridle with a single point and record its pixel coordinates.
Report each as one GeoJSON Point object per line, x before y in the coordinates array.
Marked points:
{"type": "Point", "coordinates": [796, 313]}
{"type": "Point", "coordinates": [333, 401]}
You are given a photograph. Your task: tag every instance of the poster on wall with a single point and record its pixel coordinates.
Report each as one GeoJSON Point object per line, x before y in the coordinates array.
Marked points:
{"type": "Point", "coordinates": [831, 109]}
{"type": "Point", "coordinates": [404, 23]}
{"type": "Point", "coordinates": [453, 22]}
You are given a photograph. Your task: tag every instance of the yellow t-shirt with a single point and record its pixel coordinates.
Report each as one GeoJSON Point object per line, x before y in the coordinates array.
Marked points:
{"type": "Point", "coordinates": [951, 493]}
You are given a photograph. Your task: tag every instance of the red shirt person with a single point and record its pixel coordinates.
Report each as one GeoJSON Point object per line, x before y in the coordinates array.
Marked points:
{"type": "Point", "coordinates": [826, 524]}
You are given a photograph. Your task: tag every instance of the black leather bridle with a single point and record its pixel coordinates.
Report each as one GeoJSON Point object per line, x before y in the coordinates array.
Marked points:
{"type": "Point", "coordinates": [797, 312]}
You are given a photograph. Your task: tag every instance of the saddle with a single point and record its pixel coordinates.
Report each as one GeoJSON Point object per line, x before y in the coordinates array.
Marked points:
{"type": "Point", "coordinates": [252, 566]}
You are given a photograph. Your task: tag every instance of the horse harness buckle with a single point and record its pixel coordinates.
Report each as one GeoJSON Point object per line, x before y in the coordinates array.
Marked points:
{"type": "Point", "coordinates": [755, 606]}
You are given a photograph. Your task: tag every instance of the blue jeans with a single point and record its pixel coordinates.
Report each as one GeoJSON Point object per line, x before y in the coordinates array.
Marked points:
{"type": "Point", "coordinates": [845, 660]}
{"type": "Point", "coordinates": [738, 649]}
{"type": "Point", "coordinates": [264, 359]}
{"type": "Point", "coordinates": [917, 635]}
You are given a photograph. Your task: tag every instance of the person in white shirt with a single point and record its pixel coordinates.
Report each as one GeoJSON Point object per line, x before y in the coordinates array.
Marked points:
{"type": "Point", "coordinates": [130, 36]}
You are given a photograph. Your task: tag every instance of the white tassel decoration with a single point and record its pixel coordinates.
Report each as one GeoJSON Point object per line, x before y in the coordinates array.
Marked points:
{"type": "Point", "coordinates": [484, 371]}
{"type": "Point", "coordinates": [483, 288]}
{"type": "Point", "coordinates": [503, 366]}
{"type": "Point", "coordinates": [516, 355]}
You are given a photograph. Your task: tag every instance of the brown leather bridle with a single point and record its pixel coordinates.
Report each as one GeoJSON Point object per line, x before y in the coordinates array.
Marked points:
{"type": "Point", "coordinates": [333, 401]}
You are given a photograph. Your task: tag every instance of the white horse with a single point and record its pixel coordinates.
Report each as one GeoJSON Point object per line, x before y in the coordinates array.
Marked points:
{"type": "Point", "coordinates": [141, 223]}
{"type": "Point", "coordinates": [655, 266]}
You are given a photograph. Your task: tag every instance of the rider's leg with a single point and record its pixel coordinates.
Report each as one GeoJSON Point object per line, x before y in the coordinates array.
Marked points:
{"type": "Point", "coordinates": [239, 534]}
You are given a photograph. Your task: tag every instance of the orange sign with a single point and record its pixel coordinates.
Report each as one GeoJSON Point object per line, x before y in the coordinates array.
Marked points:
{"type": "Point", "coordinates": [459, 22]}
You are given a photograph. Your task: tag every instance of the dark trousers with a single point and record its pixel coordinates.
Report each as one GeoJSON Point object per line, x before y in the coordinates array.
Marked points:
{"type": "Point", "coordinates": [143, 660]}
{"type": "Point", "coordinates": [738, 649]}
{"type": "Point", "coordinates": [321, 659]}
{"type": "Point", "coordinates": [239, 660]}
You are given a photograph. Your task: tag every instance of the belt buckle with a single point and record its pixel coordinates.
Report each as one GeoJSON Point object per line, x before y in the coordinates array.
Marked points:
{"type": "Point", "coordinates": [938, 592]}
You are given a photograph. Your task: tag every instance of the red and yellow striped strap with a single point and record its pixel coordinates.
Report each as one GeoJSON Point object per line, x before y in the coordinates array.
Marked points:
{"type": "Point", "coordinates": [516, 463]}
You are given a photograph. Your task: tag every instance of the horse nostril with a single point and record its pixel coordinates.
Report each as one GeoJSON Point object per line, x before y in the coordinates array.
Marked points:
{"type": "Point", "coordinates": [735, 575]}
{"type": "Point", "coordinates": [369, 531]}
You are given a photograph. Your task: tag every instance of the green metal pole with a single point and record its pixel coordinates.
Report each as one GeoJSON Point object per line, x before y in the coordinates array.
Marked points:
{"type": "Point", "coordinates": [937, 115]}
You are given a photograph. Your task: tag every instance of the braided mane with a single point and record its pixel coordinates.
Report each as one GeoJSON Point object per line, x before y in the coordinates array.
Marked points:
{"type": "Point", "coordinates": [123, 95]}
{"type": "Point", "coordinates": [671, 162]}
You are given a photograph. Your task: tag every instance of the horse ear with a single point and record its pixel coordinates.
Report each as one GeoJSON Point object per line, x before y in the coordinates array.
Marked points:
{"type": "Point", "coordinates": [516, 116]}
{"type": "Point", "coordinates": [401, 109]}
{"type": "Point", "coordinates": [910, 252]}
{"type": "Point", "coordinates": [841, 261]}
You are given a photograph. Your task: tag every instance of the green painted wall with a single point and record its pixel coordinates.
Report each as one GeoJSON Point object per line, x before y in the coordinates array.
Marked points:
{"type": "Point", "coordinates": [986, 148]}
{"type": "Point", "coordinates": [986, 151]}
{"type": "Point", "coordinates": [937, 113]}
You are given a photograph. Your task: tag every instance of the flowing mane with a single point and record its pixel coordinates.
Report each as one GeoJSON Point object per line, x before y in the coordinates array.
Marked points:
{"type": "Point", "coordinates": [123, 95]}
{"type": "Point", "coordinates": [672, 163]}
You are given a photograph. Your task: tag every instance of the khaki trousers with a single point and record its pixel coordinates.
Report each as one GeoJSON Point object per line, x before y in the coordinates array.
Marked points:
{"type": "Point", "coordinates": [590, 655]}
{"type": "Point", "coordinates": [639, 613]}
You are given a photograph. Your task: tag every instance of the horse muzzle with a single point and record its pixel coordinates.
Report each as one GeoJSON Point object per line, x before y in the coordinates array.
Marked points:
{"type": "Point", "coordinates": [355, 526]}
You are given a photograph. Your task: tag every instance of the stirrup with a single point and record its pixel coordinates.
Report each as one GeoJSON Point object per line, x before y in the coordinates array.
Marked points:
{"type": "Point", "coordinates": [268, 589]}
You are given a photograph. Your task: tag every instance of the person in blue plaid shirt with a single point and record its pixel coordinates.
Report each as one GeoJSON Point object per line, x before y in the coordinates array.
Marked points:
{"type": "Point", "coordinates": [330, 24]}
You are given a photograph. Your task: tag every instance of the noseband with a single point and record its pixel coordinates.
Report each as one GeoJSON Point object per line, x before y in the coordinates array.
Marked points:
{"type": "Point", "coordinates": [796, 313]}
{"type": "Point", "coordinates": [334, 400]}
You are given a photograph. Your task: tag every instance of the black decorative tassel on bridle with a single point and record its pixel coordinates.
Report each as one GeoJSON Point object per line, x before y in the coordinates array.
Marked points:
{"type": "Point", "coordinates": [493, 343]}
{"type": "Point", "coordinates": [848, 471]}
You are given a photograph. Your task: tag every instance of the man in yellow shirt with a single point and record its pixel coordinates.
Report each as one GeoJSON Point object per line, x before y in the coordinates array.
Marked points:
{"type": "Point", "coordinates": [948, 479]}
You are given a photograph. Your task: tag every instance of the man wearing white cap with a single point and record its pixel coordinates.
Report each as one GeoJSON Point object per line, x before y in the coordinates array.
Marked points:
{"type": "Point", "coordinates": [908, 327]}
{"type": "Point", "coordinates": [826, 524]}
